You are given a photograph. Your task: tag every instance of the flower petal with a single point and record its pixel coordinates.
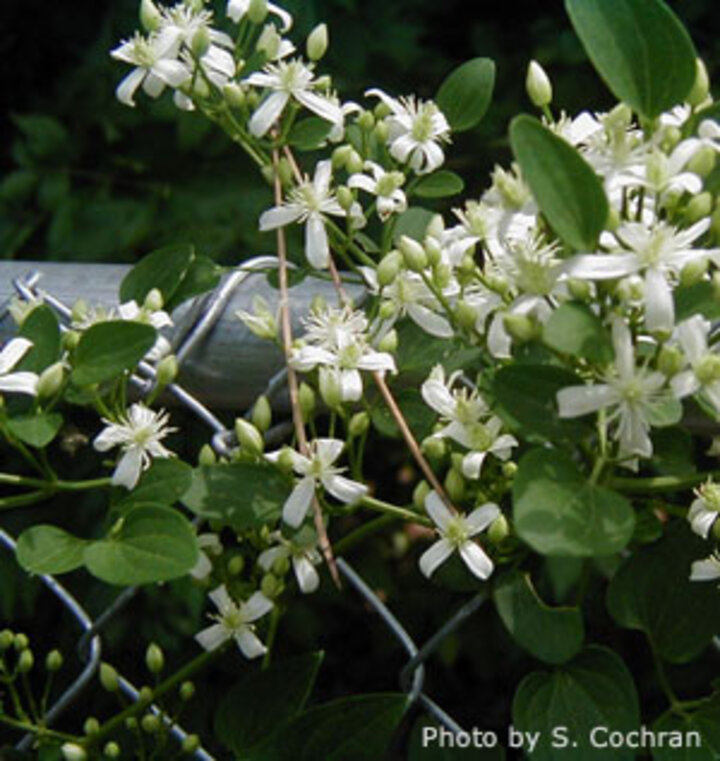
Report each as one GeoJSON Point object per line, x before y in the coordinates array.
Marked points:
{"type": "Point", "coordinates": [480, 518]}
{"type": "Point", "coordinates": [249, 643]}
{"type": "Point", "coordinates": [128, 469]}
{"type": "Point", "coordinates": [476, 560]}
{"type": "Point", "coordinates": [344, 489]}
{"type": "Point", "coordinates": [307, 577]}
{"type": "Point", "coordinates": [435, 556]}
{"type": "Point", "coordinates": [212, 637]}
{"type": "Point", "coordinates": [256, 607]}
{"type": "Point", "coordinates": [298, 503]}
{"type": "Point", "coordinates": [268, 112]}
{"type": "Point", "coordinates": [317, 249]}
{"type": "Point", "coordinates": [438, 510]}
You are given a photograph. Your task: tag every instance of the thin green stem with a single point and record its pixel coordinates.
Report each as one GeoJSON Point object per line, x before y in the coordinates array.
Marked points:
{"type": "Point", "coordinates": [25, 726]}
{"type": "Point", "coordinates": [14, 480]}
{"type": "Point", "coordinates": [660, 484]}
{"type": "Point", "coordinates": [271, 635]}
{"type": "Point", "coordinates": [675, 703]}
{"type": "Point", "coordinates": [22, 500]}
{"type": "Point", "coordinates": [367, 529]}
{"type": "Point", "coordinates": [399, 513]}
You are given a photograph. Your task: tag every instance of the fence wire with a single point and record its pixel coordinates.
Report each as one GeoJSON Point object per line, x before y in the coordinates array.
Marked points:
{"type": "Point", "coordinates": [196, 328]}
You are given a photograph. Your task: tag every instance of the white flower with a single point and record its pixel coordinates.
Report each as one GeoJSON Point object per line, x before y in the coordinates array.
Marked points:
{"type": "Point", "coordinates": [139, 434]}
{"type": "Point", "coordinates": [705, 509]}
{"type": "Point", "coordinates": [235, 622]}
{"type": "Point", "coordinates": [456, 532]}
{"type": "Point", "coordinates": [385, 185]}
{"type": "Point", "coordinates": [303, 555]}
{"type": "Point", "coordinates": [416, 128]}
{"type": "Point", "coordinates": [22, 382]}
{"type": "Point", "coordinates": [156, 67]}
{"type": "Point", "coordinates": [707, 569]}
{"type": "Point", "coordinates": [261, 321]}
{"type": "Point", "coordinates": [661, 252]}
{"type": "Point", "coordinates": [308, 203]}
{"type": "Point", "coordinates": [208, 544]}
{"type": "Point", "coordinates": [236, 10]}
{"type": "Point", "coordinates": [704, 371]}
{"type": "Point", "coordinates": [318, 469]}
{"type": "Point", "coordinates": [285, 80]}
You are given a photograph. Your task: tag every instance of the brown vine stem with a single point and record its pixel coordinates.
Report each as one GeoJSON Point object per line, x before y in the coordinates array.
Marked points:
{"type": "Point", "coordinates": [323, 539]}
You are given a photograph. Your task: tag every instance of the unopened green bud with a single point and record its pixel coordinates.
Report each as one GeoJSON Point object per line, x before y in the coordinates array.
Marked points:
{"type": "Point", "coordinates": [701, 87]}
{"type": "Point", "coordinates": [200, 42]}
{"type": "Point", "coordinates": [455, 485]}
{"type": "Point", "coordinates": [53, 661]}
{"type": "Point", "coordinates": [509, 469]}
{"type": "Point", "coordinates": [285, 171]}
{"type": "Point", "coordinates": [6, 640]}
{"type": "Point", "coordinates": [413, 253]}
{"type": "Point", "coordinates": [693, 272]}
{"type": "Point", "coordinates": [257, 11]}
{"type": "Point", "coordinates": [716, 529]}
{"type": "Point", "coordinates": [465, 315]}
{"type": "Point", "coordinates": [317, 42]}
{"type": "Point", "coordinates": [111, 750]}
{"type": "Point", "coordinates": [268, 174]}
{"type": "Point", "coordinates": [306, 397]}
{"type": "Point", "coordinates": [271, 586]}
{"type": "Point", "coordinates": [354, 162]}
{"type": "Point", "coordinates": [703, 161]}
{"type": "Point", "coordinates": [285, 459]}
{"type": "Point", "coordinates": [70, 339]}
{"type": "Point", "coordinates": [382, 110]}
{"type": "Point", "coordinates": [433, 250]}
{"type": "Point", "coordinates": [50, 380]}
{"type": "Point", "coordinates": [699, 207]}
{"type": "Point", "coordinates": [131, 724]}
{"type": "Point", "coordinates": [79, 311]}
{"type": "Point", "coordinates": [579, 289]}
{"type": "Point", "coordinates": [190, 744]}
{"type": "Point", "coordinates": [499, 530]}
{"type": "Point", "coordinates": [387, 310]}
{"type": "Point", "coordinates": [73, 752]}
{"type": "Point", "coordinates": [436, 228]}
{"type": "Point", "coordinates": [366, 121]}
{"type": "Point", "coordinates": [262, 414]}
{"type": "Point", "coordinates": [389, 342]}
{"type": "Point", "coordinates": [359, 424]}
{"type": "Point", "coordinates": [145, 695]}
{"type": "Point", "coordinates": [234, 95]}
{"type": "Point", "coordinates": [207, 456]}
{"type": "Point", "coordinates": [150, 16]}
{"type": "Point", "coordinates": [613, 219]}
{"type": "Point", "coordinates": [235, 565]}
{"type": "Point", "coordinates": [281, 566]}
{"type": "Point", "coordinates": [91, 726]}
{"type": "Point", "coordinates": [538, 85]}
{"type": "Point", "coordinates": [109, 678]}
{"type": "Point", "coordinates": [419, 493]}
{"type": "Point", "coordinates": [21, 641]}
{"type": "Point", "coordinates": [269, 42]}
{"type": "Point", "coordinates": [670, 360]}
{"type": "Point", "coordinates": [388, 268]}
{"type": "Point", "coordinates": [150, 723]}
{"type": "Point", "coordinates": [154, 658]}
{"type": "Point", "coordinates": [154, 300]}
{"type": "Point", "coordinates": [434, 447]}
{"type": "Point", "coordinates": [330, 387]}
{"type": "Point", "coordinates": [26, 661]}
{"type": "Point", "coordinates": [249, 437]}
{"type": "Point", "coordinates": [345, 197]}
{"type": "Point", "coordinates": [382, 132]}
{"type": "Point", "coordinates": [167, 370]}
{"type": "Point", "coordinates": [521, 327]}
{"type": "Point", "coordinates": [340, 156]}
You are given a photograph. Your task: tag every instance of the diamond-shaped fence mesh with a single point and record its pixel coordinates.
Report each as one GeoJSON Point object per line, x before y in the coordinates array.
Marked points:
{"type": "Point", "coordinates": [196, 329]}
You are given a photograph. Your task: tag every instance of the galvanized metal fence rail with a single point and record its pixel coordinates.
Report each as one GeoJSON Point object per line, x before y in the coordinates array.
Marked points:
{"type": "Point", "coordinates": [201, 343]}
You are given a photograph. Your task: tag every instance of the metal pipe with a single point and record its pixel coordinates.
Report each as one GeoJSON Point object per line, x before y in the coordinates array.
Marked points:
{"type": "Point", "coordinates": [229, 366]}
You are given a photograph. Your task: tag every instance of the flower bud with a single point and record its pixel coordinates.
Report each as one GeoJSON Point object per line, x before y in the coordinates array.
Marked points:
{"type": "Point", "coordinates": [187, 690]}
{"type": "Point", "coordinates": [701, 87]}
{"type": "Point", "coordinates": [207, 456]}
{"type": "Point", "coordinates": [354, 162]}
{"type": "Point", "coordinates": [419, 493]}
{"type": "Point", "coordinates": [73, 752]}
{"type": "Point", "coordinates": [53, 661]}
{"type": "Point", "coordinates": [703, 161]}
{"type": "Point", "coordinates": [150, 723]}
{"type": "Point", "coordinates": [257, 11]}
{"type": "Point", "coordinates": [366, 121]}
{"type": "Point", "coordinates": [521, 327]}
{"type": "Point", "coordinates": [281, 566]}
{"type": "Point", "coordinates": [269, 42]}
{"type": "Point", "coordinates": [455, 485]}
{"type": "Point", "coordinates": [70, 339]}
{"type": "Point", "coordinates": [153, 300]}
{"type": "Point", "coordinates": [154, 658]}
{"type": "Point", "coordinates": [111, 750]}
{"type": "Point", "coordinates": [382, 132]}
{"type": "Point", "coordinates": [716, 529]}
{"type": "Point", "coordinates": [413, 253]}
{"type": "Point", "coordinates": [509, 469]}
{"type": "Point", "coordinates": [150, 16]}
{"type": "Point", "coordinates": [670, 360]}
{"type": "Point", "coordinates": [234, 95]}
{"type": "Point", "coordinates": [167, 370]}
{"type": "Point", "coordinates": [190, 744]}
{"type": "Point", "coordinates": [200, 42]}
{"type": "Point", "coordinates": [389, 342]}
{"type": "Point", "coordinates": [271, 586]}
{"type": "Point", "coordinates": [700, 206]}
{"type": "Point", "coordinates": [262, 414]}
{"type": "Point", "coordinates": [340, 156]}
{"type": "Point", "coordinates": [249, 437]}
{"type": "Point", "coordinates": [387, 310]}
{"type": "Point", "coordinates": [6, 640]}
{"type": "Point", "coordinates": [345, 197]}
{"type": "Point", "coordinates": [538, 85]}
{"type": "Point", "coordinates": [26, 661]}
{"type": "Point", "coordinates": [317, 42]}
{"type": "Point", "coordinates": [579, 289]}
{"type": "Point", "coordinates": [109, 678]}
{"type": "Point", "coordinates": [235, 565]}
{"type": "Point", "coordinates": [306, 397]}
{"type": "Point", "coordinates": [359, 424]}
{"type": "Point", "coordinates": [145, 695]}
{"type": "Point", "coordinates": [21, 641]}
{"type": "Point", "coordinates": [499, 530]}
{"type": "Point", "coordinates": [693, 272]}
{"type": "Point", "coordinates": [131, 724]}
{"type": "Point", "coordinates": [91, 726]}
{"type": "Point", "coordinates": [285, 460]}
{"type": "Point", "coordinates": [465, 315]}
{"type": "Point", "coordinates": [330, 387]}
{"type": "Point", "coordinates": [51, 380]}
{"type": "Point", "coordinates": [388, 268]}
{"type": "Point", "coordinates": [434, 447]}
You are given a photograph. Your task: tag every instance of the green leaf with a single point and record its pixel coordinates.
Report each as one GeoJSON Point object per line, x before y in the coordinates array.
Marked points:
{"type": "Point", "coordinates": [652, 592]}
{"type": "Point", "coordinates": [705, 721]}
{"type": "Point", "coordinates": [640, 49]}
{"type": "Point", "coordinates": [574, 329]}
{"type": "Point", "coordinates": [557, 512]}
{"type": "Point", "coordinates": [240, 495]}
{"type": "Point", "coordinates": [419, 352]}
{"type": "Point", "coordinates": [465, 94]}
{"type": "Point", "coordinates": [48, 549]}
{"type": "Point", "coordinates": [358, 728]}
{"type": "Point", "coordinates": [524, 396]}
{"type": "Point", "coordinates": [46, 137]}
{"type": "Point", "coordinates": [418, 415]}
{"type": "Point", "coordinates": [413, 223]}
{"type": "Point", "coordinates": [309, 134]}
{"type": "Point", "coordinates": [439, 185]}
{"type": "Point", "coordinates": [36, 430]}
{"type": "Point", "coordinates": [696, 299]}
{"type": "Point", "coordinates": [553, 635]}
{"type": "Point", "coordinates": [263, 700]}
{"type": "Point", "coordinates": [201, 276]}
{"type": "Point", "coordinates": [163, 269]}
{"type": "Point", "coordinates": [42, 328]}
{"type": "Point", "coordinates": [433, 750]}
{"type": "Point", "coordinates": [164, 482]}
{"type": "Point", "coordinates": [595, 689]}
{"type": "Point", "coordinates": [108, 349]}
{"type": "Point", "coordinates": [149, 544]}
{"type": "Point", "coordinates": [565, 186]}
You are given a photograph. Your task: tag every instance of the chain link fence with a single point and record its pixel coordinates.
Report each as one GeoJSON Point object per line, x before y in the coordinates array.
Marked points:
{"type": "Point", "coordinates": [189, 337]}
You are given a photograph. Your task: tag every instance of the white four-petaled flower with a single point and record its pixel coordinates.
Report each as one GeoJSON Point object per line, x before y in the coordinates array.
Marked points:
{"type": "Point", "coordinates": [21, 382]}
{"type": "Point", "coordinates": [303, 555]}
